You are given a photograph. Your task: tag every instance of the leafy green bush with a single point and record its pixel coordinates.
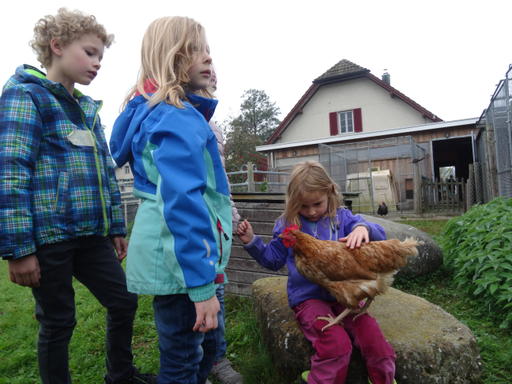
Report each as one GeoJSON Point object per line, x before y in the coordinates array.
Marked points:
{"type": "Point", "coordinates": [478, 246]}
{"type": "Point", "coordinates": [264, 186]}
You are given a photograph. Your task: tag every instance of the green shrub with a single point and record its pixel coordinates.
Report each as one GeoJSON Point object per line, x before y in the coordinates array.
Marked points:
{"type": "Point", "coordinates": [264, 186]}
{"type": "Point", "coordinates": [478, 246]}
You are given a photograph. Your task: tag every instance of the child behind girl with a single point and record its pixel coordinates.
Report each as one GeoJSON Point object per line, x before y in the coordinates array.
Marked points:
{"type": "Point", "coordinates": [313, 203]}
{"type": "Point", "coordinates": [222, 369]}
{"type": "Point", "coordinates": [179, 245]}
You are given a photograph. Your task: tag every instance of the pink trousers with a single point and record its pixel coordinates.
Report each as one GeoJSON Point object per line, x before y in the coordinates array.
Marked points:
{"type": "Point", "coordinates": [333, 346]}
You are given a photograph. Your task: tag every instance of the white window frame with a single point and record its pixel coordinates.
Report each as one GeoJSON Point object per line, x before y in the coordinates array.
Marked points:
{"type": "Point", "coordinates": [126, 169]}
{"type": "Point", "coordinates": [345, 121]}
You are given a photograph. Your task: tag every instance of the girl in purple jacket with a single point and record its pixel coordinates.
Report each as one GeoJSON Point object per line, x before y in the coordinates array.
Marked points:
{"type": "Point", "coordinates": [313, 203]}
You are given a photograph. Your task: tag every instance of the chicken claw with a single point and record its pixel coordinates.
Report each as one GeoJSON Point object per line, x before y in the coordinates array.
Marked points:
{"type": "Point", "coordinates": [333, 321]}
{"type": "Point", "coordinates": [364, 309]}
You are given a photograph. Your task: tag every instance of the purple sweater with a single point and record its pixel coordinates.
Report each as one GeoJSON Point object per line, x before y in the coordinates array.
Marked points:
{"type": "Point", "coordinates": [275, 255]}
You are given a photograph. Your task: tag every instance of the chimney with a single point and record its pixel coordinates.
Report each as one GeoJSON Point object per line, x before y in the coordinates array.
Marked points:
{"type": "Point", "coordinates": [386, 78]}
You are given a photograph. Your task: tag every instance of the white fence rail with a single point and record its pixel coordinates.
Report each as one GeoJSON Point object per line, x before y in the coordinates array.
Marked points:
{"type": "Point", "coordinates": [272, 182]}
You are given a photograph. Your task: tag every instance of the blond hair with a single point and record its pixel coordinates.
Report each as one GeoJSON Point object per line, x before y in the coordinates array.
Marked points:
{"type": "Point", "coordinates": [167, 53]}
{"type": "Point", "coordinates": [309, 177]}
{"type": "Point", "coordinates": [65, 27]}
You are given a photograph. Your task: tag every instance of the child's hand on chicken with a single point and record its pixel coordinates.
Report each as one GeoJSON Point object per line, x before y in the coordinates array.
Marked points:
{"type": "Point", "coordinates": [245, 232]}
{"type": "Point", "coordinates": [356, 237]}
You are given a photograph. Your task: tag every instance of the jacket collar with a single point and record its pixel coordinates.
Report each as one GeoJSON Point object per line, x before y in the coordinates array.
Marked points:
{"type": "Point", "coordinates": [31, 74]}
{"type": "Point", "coordinates": [203, 105]}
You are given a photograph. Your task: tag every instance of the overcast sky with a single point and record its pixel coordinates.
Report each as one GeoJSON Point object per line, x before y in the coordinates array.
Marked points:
{"type": "Point", "coordinates": [446, 55]}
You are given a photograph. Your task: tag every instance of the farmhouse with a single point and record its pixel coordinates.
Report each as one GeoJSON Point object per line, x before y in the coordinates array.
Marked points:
{"type": "Point", "coordinates": [353, 122]}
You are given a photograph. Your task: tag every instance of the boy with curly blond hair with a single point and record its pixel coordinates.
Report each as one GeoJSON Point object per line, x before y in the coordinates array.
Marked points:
{"type": "Point", "coordinates": [60, 206]}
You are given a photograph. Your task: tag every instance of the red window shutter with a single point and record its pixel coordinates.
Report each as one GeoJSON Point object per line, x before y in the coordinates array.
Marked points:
{"type": "Point", "coordinates": [358, 121]}
{"type": "Point", "coordinates": [333, 123]}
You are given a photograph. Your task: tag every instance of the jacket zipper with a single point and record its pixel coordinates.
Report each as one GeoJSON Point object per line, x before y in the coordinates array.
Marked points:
{"type": "Point", "coordinates": [57, 197]}
{"type": "Point", "coordinates": [82, 114]}
{"type": "Point", "coordinates": [334, 230]}
{"type": "Point", "coordinates": [315, 231]}
{"type": "Point", "coordinates": [96, 159]}
{"type": "Point", "coordinates": [221, 232]}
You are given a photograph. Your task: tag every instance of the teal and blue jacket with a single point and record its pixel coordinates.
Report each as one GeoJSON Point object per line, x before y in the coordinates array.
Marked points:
{"type": "Point", "coordinates": [181, 239]}
{"type": "Point", "coordinates": [57, 179]}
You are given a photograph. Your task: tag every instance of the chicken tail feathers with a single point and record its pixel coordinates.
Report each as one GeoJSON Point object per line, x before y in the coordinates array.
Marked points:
{"type": "Point", "coordinates": [409, 245]}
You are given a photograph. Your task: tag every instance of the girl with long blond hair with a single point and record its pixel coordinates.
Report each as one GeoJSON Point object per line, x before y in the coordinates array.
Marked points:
{"type": "Point", "coordinates": [180, 242]}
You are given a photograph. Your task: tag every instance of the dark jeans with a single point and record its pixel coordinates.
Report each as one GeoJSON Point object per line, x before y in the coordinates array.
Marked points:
{"type": "Point", "coordinates": [220, 332]}
{"type": "Point", "coordinates": [186, 357]}
{"type": "Point", "coordinates": [93, 262]}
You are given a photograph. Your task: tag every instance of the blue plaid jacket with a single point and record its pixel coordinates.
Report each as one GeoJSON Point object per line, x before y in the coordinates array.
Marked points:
{"type": "Point", "coordinates": [57, 179]}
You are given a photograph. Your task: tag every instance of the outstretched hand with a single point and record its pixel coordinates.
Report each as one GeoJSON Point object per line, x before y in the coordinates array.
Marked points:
{"type": "Point", "coordinates": [245, 232]}
{"type": "Point", "coordinates": [356, 237]}
{"type": "Point", "coordinates": [207, 311]}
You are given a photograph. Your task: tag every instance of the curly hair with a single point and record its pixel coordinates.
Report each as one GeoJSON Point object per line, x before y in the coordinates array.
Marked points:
{"type": "Point", "coordinates": [65, 27]}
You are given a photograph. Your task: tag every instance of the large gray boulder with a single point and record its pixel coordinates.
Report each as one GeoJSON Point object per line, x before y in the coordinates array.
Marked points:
{"type": "Point", "coordinates": [432, 347]}
{"type": "Point", "coordinates": [430, 255]}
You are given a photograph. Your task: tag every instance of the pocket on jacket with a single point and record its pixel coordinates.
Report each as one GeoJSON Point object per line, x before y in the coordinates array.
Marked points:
{"type": "Point", "coordinates": [62, 193]}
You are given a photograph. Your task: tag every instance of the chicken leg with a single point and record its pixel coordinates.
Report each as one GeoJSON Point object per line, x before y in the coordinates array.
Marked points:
{"type": "Point", "coordinates": [339, 319]}
{"type": "Point", "coordinates": [333, 321]}
{"type": "Point", "coordinates": [364, 309]}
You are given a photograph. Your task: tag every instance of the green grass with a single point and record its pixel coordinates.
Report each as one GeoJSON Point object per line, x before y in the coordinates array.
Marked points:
{"type": "Point", "coordinates": [432, 227]}
{"type": "Point", "coordinates": [245, 345]}
{"type": "Point", "coordinates": [18, 336]}
{"type": "Point", "coordinates": [18, 330]}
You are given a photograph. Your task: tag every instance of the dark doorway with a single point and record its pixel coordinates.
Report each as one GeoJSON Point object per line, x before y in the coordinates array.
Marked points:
{"type": "Point", "coordinates": [456, 152]}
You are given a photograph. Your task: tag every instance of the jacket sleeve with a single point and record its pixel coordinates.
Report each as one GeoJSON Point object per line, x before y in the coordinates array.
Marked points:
{"type": "Point", "coordinates": [220, 144]}
{"type": "Point", "coordinates": [117, 225]}
{"type": "Point", "coordinates": [178, 140]}
{"type": "Point", "coordinates": [234, 213]}
{"type": "Point", "coordinates": [271, 256]}
{"type": "Point", "coordinates": [350, 222]}
{"type": "Point", "coordinates": [20, 136]}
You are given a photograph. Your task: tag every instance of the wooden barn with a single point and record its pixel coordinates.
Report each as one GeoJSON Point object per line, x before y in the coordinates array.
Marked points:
{"type": "Point", "coordinates": [349, 109]}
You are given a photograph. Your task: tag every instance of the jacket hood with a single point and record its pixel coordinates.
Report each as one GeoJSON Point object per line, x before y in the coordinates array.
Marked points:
{"type": "Point", "coordinates": [27, 74]}
{"type": "Point", "coordinates": [128, 125]}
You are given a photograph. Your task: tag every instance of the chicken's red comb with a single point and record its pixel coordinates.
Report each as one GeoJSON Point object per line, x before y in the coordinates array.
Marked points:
{"type": "Point", "coordinates": [288, 238]}
{"type": "Point", "coordinates": [291, 227]}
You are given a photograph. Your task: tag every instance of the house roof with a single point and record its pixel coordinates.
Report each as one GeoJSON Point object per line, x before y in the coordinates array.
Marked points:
{"type": "Point", "coordinates": [369, 135]}
{"type": "Point", "coordinates": [343, 71]}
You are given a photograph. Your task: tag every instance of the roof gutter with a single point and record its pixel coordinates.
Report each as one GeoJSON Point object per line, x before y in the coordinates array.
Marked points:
{"type": "Point", "coordinates": [366, 135]}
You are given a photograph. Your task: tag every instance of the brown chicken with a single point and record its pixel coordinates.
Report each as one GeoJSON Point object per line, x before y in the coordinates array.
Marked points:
{"type": "Point", "coordinates": [349, 275]}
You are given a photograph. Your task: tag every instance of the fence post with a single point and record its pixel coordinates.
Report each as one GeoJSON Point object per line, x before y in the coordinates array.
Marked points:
{"type": "Point", "coordinates": [417, 189]}
{"type": "Point", "coordinates": [250, 177]}
{"type": "Point", "coordinates": [463, 195]}
{"type": "Point", "coordinates": [480, 185]}
{"type": "Point", "coordinates": [470, 195]}
{"type": "Point", "coordinates": [490, 150]}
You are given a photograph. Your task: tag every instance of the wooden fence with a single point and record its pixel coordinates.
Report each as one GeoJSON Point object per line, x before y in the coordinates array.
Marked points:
{"type": "Point", "coordinates": [443, 196]}
{"type": "Point", "coordinates": [242, 270]}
